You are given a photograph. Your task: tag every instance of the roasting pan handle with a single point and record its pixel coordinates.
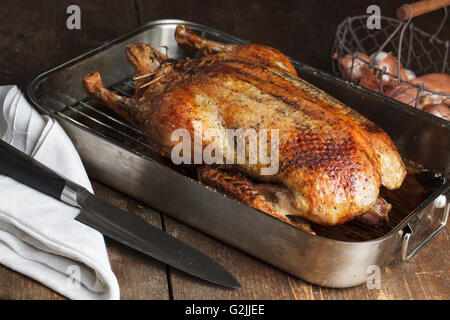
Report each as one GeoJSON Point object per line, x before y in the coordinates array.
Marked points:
{"type": "Point", "coordinates": [439, 204]}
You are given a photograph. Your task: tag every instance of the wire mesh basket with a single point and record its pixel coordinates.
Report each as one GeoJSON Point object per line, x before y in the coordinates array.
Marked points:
{"type": "Point", "coordinates": [398, 60]}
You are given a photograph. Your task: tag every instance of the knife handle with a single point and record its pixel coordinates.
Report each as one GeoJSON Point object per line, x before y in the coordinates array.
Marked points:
{"type": "Point", "coordinates": [23, 168]}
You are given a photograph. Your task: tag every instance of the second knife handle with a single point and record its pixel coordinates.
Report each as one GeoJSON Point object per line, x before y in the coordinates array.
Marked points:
{"type": "Point", "coordinates": [23, 168]}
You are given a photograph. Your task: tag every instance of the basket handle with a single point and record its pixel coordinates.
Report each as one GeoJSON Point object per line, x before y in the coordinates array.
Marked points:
{"type": "Point", "coordinates": [420, 7]}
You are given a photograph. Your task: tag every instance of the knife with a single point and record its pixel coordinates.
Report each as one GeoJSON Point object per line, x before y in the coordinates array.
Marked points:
{"type": "Point", "coordinates": [111, 221]}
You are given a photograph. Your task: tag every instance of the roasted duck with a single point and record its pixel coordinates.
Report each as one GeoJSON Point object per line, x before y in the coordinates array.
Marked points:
{"type": "Point", "coordinates": [331, 160]}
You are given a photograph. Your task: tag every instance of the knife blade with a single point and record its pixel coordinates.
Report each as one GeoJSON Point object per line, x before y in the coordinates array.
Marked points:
{"type": "Point", "coordinates": [112, 221]}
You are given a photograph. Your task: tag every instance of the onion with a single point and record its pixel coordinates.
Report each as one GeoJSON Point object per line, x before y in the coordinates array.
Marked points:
{"type": "Point", "coordinates": [410, 75]}
{"type": "Point", "coordinates": [390, 63]}
{"type": "Point", "coordinates": [437, 82]}
{"type": "Point", "coordinates": [405, 93]}
{"type": "Point", "coordinates": [360, 68]}
{"type": "Point", "coordinates": [439, 110]}
{"type": "Point", "coordinates": [380, 56]}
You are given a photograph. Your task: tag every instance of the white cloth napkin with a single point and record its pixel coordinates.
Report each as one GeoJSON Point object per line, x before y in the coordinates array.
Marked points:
{"type": "Point", "coordinates": [38, 234]}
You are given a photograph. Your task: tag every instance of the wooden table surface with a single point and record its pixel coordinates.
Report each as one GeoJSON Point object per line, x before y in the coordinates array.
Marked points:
{"type": "Point", "coordinates": [35, 38]}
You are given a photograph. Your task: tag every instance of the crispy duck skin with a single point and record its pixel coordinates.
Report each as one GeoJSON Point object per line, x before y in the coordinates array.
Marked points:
{"type": "Point", "coordinates": [260, 196]}
{"type": "Point", "coordinates": [332, 160]}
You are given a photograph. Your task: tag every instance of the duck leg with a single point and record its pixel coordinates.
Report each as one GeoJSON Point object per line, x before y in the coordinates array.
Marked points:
{"type": "Point", "coordinates": [187, 39]}
{"type": "Point", "coordinates": [270, 199]}
{"type": "Point", "coordinates": [128, 108]}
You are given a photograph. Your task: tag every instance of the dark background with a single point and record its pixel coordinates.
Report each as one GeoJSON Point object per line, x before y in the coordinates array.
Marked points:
{"type": "Point", "coordinates": [34, 36]}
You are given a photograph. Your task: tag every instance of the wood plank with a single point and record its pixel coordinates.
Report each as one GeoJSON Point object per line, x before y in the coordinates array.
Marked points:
{"type": "Point", "coordinates": [139, 276]}
{"type": "Point", "coordinates": [424, 277]}
{"type": "Point", "coordinates": [15, 286]}
{"type": "Point", "coordinates": [305, 31]}
{"type": "Point", "coordinates": [35, 37]}
{"type": "Point", "coordinates": [258, 280]}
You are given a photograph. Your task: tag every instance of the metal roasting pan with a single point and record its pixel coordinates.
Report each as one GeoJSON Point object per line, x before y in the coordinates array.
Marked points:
{"type": "Point", "coordinates": [117, 155]}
